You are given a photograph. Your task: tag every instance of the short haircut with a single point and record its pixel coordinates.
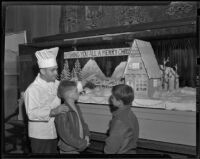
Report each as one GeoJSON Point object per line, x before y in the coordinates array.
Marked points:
{"type": "Point", "coordinates": [65, 85]}
{"type": "Point", "coordinates": [124, 93]}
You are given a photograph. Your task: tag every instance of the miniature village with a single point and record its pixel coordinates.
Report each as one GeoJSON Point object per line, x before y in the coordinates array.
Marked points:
{"type": "Point", "coordinates": [157, 84]}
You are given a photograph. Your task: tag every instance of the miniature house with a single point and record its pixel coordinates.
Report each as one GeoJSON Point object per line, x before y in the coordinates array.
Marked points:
{"type": "Point", "coordinates": [142, 70]}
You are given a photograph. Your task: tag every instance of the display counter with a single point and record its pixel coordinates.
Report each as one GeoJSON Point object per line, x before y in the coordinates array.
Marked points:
{"type": "Point", "coordinates": [181, 99]}
{"type": "Point", "coordinates": [170, 126]}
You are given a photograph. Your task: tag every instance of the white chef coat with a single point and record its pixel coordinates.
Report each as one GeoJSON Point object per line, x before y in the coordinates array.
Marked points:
{"type": "Point", "coordinates": [40, 97]}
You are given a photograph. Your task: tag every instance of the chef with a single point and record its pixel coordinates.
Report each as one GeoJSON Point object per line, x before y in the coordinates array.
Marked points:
{"type": "Point", "coordinates": [42, 103]}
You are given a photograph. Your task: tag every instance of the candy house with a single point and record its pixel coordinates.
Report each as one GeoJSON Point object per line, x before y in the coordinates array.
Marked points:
{"type": "Point", "coordinates": [142, 71]}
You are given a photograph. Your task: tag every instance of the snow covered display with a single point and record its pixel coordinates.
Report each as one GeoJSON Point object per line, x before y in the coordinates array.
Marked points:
{"type": "Point", "coordinates": [155, 86]}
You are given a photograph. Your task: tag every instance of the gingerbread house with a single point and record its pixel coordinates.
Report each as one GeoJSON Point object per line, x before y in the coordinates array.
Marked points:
{"type": "Point", "coordinates": [142, 70]}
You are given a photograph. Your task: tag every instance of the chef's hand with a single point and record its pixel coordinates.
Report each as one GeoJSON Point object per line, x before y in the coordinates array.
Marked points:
{"type": "Point", "coordinates": [58, 110]}
{"type": "Point", "coordinates": [88, 140]}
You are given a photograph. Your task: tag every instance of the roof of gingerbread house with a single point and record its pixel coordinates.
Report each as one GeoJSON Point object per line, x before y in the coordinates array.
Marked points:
{"type": "Point", "coordinates": [148, 57]}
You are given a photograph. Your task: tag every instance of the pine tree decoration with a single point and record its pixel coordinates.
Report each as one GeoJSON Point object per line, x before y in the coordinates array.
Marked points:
{"type": "Point", "coordinates": [65, 74]}
{"type": "Point", "coordinates": [78, 70]}
{"type": "Point", "coordinates": [74, 75]}
{"type": "Point", "coordinates": [164, 73]}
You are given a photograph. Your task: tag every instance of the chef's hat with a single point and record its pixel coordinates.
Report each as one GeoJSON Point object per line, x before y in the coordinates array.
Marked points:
{"type": "Point", "coordinates": [47, 57]}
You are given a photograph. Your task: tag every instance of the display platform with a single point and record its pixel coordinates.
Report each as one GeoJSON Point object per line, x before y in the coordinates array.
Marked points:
{"type": "Point", "coordinates": [183, 99]}
{"type": "Point", "coordinates": [170, 126]}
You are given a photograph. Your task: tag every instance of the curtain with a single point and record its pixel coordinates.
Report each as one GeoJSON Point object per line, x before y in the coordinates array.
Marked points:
{"type": "Point", "coordinates": [182, 52]}
{"type": "Point", "coordinates": [37, 20]}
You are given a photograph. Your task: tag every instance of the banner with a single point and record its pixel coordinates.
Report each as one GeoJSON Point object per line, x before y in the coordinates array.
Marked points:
{"type": "Point", "coordinates": [98, 53]}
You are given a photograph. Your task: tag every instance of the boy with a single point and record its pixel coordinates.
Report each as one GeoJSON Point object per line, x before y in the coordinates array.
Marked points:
{"type": "Point", "coordinates": [73, 132]}
{"type": "Point", "coordinates": [124, 127]}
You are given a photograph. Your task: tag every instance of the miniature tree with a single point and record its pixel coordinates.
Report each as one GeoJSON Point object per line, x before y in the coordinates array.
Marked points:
{"type": "Point", "coordinates": [65, 74]}
{"type": "Point", "coordinates": [74, 75]}
{"type": "Point", "coordinates": [163, 69]}
{"type": "Point", "coordinates": [176, 77]}
{"type": "Point", "coordinates": [78, 70]}
{"type": "Point", "coordinates": [171, 79]}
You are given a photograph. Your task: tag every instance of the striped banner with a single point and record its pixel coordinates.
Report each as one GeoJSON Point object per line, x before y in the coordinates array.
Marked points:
{"type": "Point", "coordinates": [98, 53]}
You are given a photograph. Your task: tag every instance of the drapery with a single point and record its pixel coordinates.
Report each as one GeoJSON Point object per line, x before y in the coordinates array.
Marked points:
{"type": "Point", "coordinates": [182, 52]}
{"type": "Point", "coordinates": [37, 20]}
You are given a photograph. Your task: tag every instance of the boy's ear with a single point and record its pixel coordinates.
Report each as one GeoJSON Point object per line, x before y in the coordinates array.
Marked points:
{"type": "Point", "coordinates": [120, 102]}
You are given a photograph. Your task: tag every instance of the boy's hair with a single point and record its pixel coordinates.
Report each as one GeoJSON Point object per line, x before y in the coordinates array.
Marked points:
{"type": "Point", "coordinates": [65, 85]}
{"type": "Point", "coordinates": [124, 93]}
